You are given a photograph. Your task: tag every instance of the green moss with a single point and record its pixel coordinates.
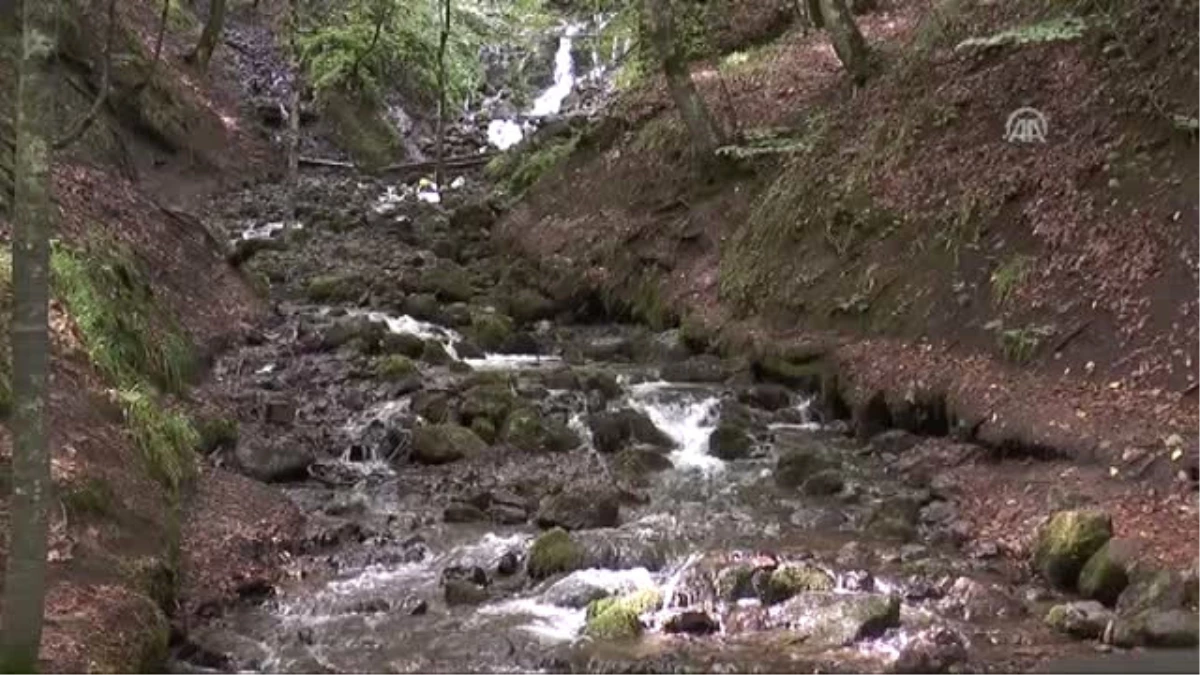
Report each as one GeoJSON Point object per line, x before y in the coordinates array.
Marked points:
{"type": "Point", "coordinates": [217, 432]}
{"type": "Point", "coordinates": [128, 337]}
{"type": "Point", "coordinates": [526, 169]}
{"type": "Point", "coordinates": [93, 498]}
{"type": "Point", "coordinates": [619, 618]}
{"type": "Point", "coordinates": [490, 330]}
{"type": "Point", "coordinates": [361, 129]}
{"type": "Point", "coordinates": [735, 583]}
{"type": "Point", "coordinates": [394, 367]}
{"type": "Point", "coordinates": [554, 552]}
{"type": "Point", "coordinates": [484, 429]}
{"type": "Point", "coordinates": [434, 352]}
{"type": "Point", "coordinates": [790, 580]}
{"type": "Point", "coordinates": [1066, 542]}
{"type": "Point", "coordinates": [332, 288]}
{"type": "Point", "coordinates": [165, 440]}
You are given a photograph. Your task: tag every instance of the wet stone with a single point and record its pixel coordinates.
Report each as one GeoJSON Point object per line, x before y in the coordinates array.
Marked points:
{"type": "Point", "coordinates": [694, 622]}
{"type": "Point", "coordinates": [1086, 619]}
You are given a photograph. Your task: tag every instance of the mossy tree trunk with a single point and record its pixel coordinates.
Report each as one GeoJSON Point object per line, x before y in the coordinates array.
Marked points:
{"type": "Point", "coordinates": [293, 158]}
{"type": "Point", "coordinates": [211, 34]}
{"type": "Point", "coordinates": [847, 41]}
{"type": "Point", "coordinates": [659, 22]}
{"type": "Point", "coordinates": [439, 176]}
{"type": "Point", "coordinates": [25, 572]}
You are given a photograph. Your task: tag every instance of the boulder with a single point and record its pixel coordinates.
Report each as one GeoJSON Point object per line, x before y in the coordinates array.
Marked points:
{"type": "Point", "coordinates": [620, 618]}
{"type": "Point", "coordinates": [1066, 543]}
{"type": "Point", "coordinates": [461, 512]}
{"type": "Point", "coordinates": [789, 580]}
{"type": "Point", "coordinates": [692, 622]}
{"type": "Point", "coordinates": [527, 430]}
{"type": "Point", "coordinates": [839, 619]}
{"type": "Point", "coordinates": [611, 431]}
{"type": "Point", "coordinates": [1086, 619]}
{"type": "Point", "coordinates": [405, 344]}
{"type": "Point", "coordinates": [472, 217]}
{"type": "Point", "coordinates": [492, 402]}
{"type": "Point", "coordinates": [937, 650]}
{"type": "Point", "coordinates": [423, 306]}
{"type": "Point", "coordinates": [445, 443]}
{"type": "Point", "coordinates": [607, 348]}
{"type": "Point", "coordinates": [464, 592]}
{"type": "Point", "coordinates": [432, 406]}
{"type": "Point", "coordinates": [554, 552]}
{"type": "Point", "coordinates": [798, 463]}
{"type": "Point", "coordinates": [641, 460]}
{"type": "Point", "coordinates": [274, 460]}
{"type": "Point", "coordinates": [1106, 573]}
{"type": "Point", "coordinates": [893, 441]}
{"type": "Point", "coordinates": [490, 330]}
{"type": "Point", "coordinates": [435, 352]}
{"type": "Point", "coordinates": [368, 335]}
{"type": "Point", "coordinates": [579, 589]}
{"type": "Point", "coordinates": [767, 396]}
{"type": "Point", "coordinates": [580, 508]}
{"type": "Point", "coordinates": [395, 367]}
{"type": "Point", "coordinates": [447, 281]}
{"type": "Point", "coordinates": [823, 483]}
{"type": "Point", "coordinates": [1170, 628]}
{"type": "Point", "coordinates": [1153, 590]}
{"type": "Point", "coordinates": [527, 306]}
{"type": "Point", "coordinates": [729, 442]}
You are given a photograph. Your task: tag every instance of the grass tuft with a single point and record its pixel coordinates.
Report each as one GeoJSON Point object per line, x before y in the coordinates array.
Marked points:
{"type": "Point", "coordinates": [166, 440]}
{"type": "Point", "coordinates": [126, 336]}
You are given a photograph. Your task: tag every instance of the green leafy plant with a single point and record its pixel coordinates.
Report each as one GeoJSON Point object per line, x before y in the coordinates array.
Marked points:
{"type": "Point", "coordinates": [1020, 344]}
{"type": "Point", "coordinates": [1008, 276]}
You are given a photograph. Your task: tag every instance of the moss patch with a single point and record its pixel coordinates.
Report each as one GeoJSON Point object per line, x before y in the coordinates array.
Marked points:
{"type": "Point", "coordinates": [361, 129]}
{"type": "Point", "coordinates": [332, 288]}
{"type": "Point", "coordinates": [394, 367]}
{"type": "Point", "coordinates": [619, 618]}
{"type": "Point", "coordinates": [165, 440]}
{"type": "Point", "coordinates": [552, 553]}
{"type": "Point", "coordinates": [127, 336]}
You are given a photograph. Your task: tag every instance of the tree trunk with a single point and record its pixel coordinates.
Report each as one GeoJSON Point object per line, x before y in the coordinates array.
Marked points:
{"type": "Point", "coordinates": [847, 42]}
{"type": "Point", "coordinates": [706, 134]}
{"type": "Point", "coordinates": [211, 34]}
{"type": "Point", "coordinates": [293, 158]}
{"type": "Point", "coordinates": [809, 12]}
{"type": "Point", "coordinates": [32, 219]}
{"type": "Point", "coordinates": [439, 175]}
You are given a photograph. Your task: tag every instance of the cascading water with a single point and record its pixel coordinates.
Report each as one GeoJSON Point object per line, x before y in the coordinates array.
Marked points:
{"type": "Point", "coordinates": [687, 414]}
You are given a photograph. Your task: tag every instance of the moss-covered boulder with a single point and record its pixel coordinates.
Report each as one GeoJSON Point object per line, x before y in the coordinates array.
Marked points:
{"type": "Point", "coordinates": [526, 305]}
{"type": "Point", "coordinates": [703, 368]}
{"type": "Point", "coordinates": [434, 352]}
{"type": "Point", "coordinates": [1086, 619]}
{"type": "Point", "coordinates": [1106, 573]}
{"type": "Point", "coordinates": [423, 306]}
{"type": "Point", "coordinates": [405, 344]}
{"type": "Point", "coordinates": [797, 463]}
{"type": "Point", "coordinates": [729, 442]}
{"type": "Point", "coordinates": [489, 329]}
{"type": "Point", "coordinates": [357, 331]}
{"type": "Point", "coordinates": [641, 460]}
{"type": "Point", "coordinates": [554, 552]}
{"type": "Point", "coordinates": [445, 443]}
{"type": "Point", "coordinates": [447, 281]}
{"type": "Point", "coordinates": [1159, 589]}
{"type": "Point", "coordinates": [582, 507]}
{"type": "Point", "coordinates": [395, 367]}
{"type": "Point", "coordinates": [490, 401]}
{"type": "Point", "coordinates": [620, 618]}
{"type": "Point", "coordinates": [735, 582]}
{"type": "Point", "coordinates": [1066, 543]}
{"type": "Point", "coordinates": [789, 580]}
{"type": "Point", "coordinates": [836, 619]}
{"type": "Point", "coordinates": [612, 430]}
{"type": "Point", "coordinates": [527, 430]}
{"type": "Point", "coordinates": [333, 288]}
{"type": "Point", "coordinates": [432, 406]}
{"type": "Point", "coordinates": [484, 428]}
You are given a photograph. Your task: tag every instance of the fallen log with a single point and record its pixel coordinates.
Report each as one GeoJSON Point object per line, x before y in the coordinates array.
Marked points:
{"type": "Point", "coordinates": [460, 162]}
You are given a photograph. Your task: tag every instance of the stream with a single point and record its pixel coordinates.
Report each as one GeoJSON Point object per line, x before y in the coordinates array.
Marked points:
{"type": "Point", "coordinates": [784, 546]}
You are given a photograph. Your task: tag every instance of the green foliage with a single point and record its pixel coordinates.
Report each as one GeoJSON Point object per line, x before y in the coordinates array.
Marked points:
{"type": "Point", "coordinates": [769, 141]}
{"type": "Point", "coordinates": [216, 432]}
{"type": "Point", "coordinates": [1009, 276]}
{"type": "Point", "coordinates": [395, 367]}
{"type": "Point", "coordinates": [95, 498]}
{"type": "Point", "coordinates": [126, 335]}
{"type": "Point", "coordinates": [1053, 30]}
{"type": "Point", "coordinates": [1018, 345]}
{"type": "Point", "coordinates": [525, 169]}
{"type": "Point", "coordinates": [166, 440]}
{"type": "Point", "coordinates": [346, 52]}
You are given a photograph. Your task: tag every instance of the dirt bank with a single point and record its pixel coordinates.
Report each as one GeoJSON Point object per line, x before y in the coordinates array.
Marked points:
{"type": "Point", "coordinates": [907, 261]}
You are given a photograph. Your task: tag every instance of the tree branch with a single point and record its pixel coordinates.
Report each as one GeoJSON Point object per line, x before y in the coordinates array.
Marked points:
{"type": "Point", "coordinates": [85, 122]}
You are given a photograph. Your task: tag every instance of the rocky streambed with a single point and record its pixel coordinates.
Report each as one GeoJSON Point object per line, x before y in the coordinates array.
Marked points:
{"type": "Point", "coordinates": [496, 479]}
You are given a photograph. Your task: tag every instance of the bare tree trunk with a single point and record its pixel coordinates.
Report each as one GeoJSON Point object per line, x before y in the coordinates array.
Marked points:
{"type": "Point", "coordinates": [25, 572]}
{"type": "Point", "coordinates": [211, 34]}
{"type": "Point", "coordinates": [847, 41]}
{"type": "Point", "coordinates": [85, 122]}
{"type": "Point", "coordinates": [439, 175]}
{"type": "Point", "coordinates": [809, 13]}
{"type": "Point", "coordinates": [706, 134]}
{"type": "Point", "coordinates": [293, 159]}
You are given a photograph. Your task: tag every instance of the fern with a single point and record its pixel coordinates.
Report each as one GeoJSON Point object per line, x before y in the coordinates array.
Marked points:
{"type": "Point", "coordinates": [1054, 30]}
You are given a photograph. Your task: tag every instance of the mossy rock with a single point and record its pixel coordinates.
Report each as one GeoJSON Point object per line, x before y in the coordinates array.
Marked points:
{"type": "Point", "coordinates": [423, 306]}
{"type": "Point", "coordinates": [433, 406]}
{"type": "Point", "coordinates": [789, 580]}
{"type": "Point", "coordinates": [216, 433]}
{"type": "Point", "coordinates": [484, 428]}
{"type": "Point", "coordinates": [448, 282]}
{"type": "Point", "coordinates": [333, 288]}
{"type": "Point", "coordinates": [435, 353]}
{"type": "Point", "coordinates": [1106, 573]}
{"type": "Point", "coordinates": [1161, 590]}
{"type": "Point", "coordinates": [1085, 620]}
{"type": "Point", "coordinates": [405, 344]}
{"type": "Point", "coordinates": [526, 305]}
{"type": "Point", "coordinates": [490, 401]}
{"type": "Point", "coordinates": [526, 429]}
{"type": "Point", "coordinates": [395, 367]}
{"type": "Point", "coordinates": [637, 462]}
{"type": "Point", "coordinates": [1066, 542]}
{"type": "Point", "coordinates": [490, 330]}
{"type": "Point", "coordinates": [735, 583]}
{"type": "Point", "coordinates": [729, 442]}
{"type": "Point", "coordinates": [620, 618]}
{"type": "Point", "coordinates": [445, 443]}
{"type": "Point", "coordinates": [554, 552]}
{"type": "Point", "coordinates": [797, 464]}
